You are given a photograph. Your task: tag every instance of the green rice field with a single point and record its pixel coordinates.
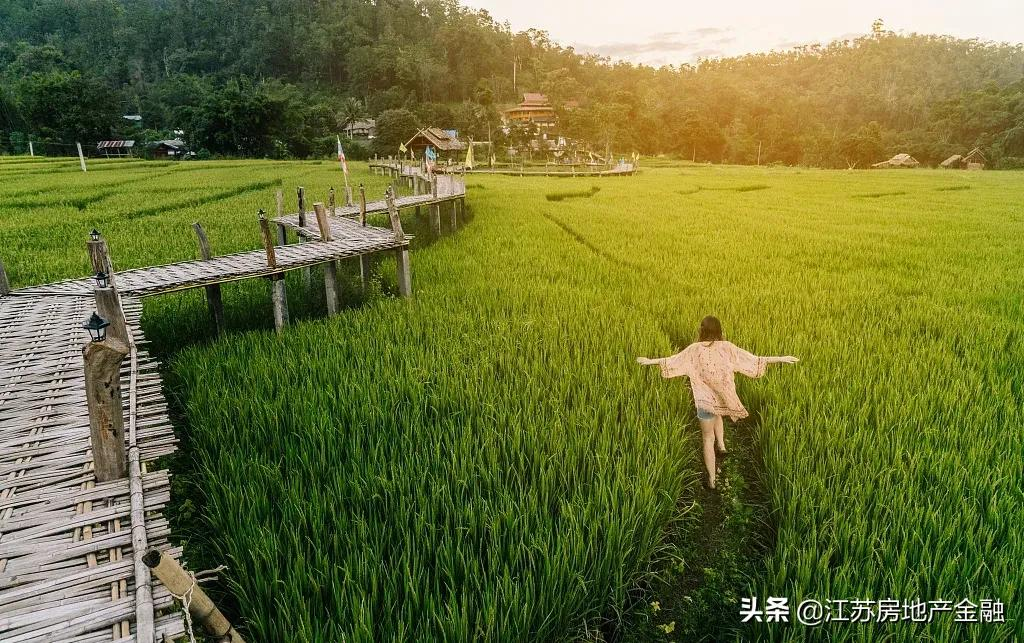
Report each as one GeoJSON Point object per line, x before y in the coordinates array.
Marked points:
{"type": "Point", "coordinates": [487, 462]}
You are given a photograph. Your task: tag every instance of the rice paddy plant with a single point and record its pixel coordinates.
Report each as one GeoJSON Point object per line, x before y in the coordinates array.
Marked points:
{"type": "Point", "coordinates": [486, 462]}
{"type": "Point", "coordinates": [572, 194]}
{"type": "Point", "coordinates": [146, 209]}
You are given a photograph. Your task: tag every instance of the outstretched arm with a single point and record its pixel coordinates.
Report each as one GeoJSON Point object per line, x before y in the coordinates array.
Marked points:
{"type": "Point", "coordinates": [646, 361]}
{"type": "Point", "coordinates": [751, 365]}
{"type": "Point", "coordinates": [676, 365]}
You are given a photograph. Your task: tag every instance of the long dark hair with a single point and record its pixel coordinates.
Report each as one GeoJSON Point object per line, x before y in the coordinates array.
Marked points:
{"type": "Point", "coordinates": [710, 329]}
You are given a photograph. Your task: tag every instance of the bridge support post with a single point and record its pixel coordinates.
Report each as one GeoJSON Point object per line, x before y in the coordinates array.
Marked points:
{"type": "Point", "coordinates": [403, 272]}
{"type": "Point", "coordinates": [417, 189]}
{"type": "Point", "coordinates": [279, 298]}
{"type": "Point", "coordinates": [102, 360]}
{"type": "Point", "coordinates": [99, 255]}
{"type": "Point", "coordinates": [108, 305]}
{"type": "Point", "coordinates": [301, 193]}
{"type": "Point", "coordinates": [435, 218]}
{"type": "Point", "coordinates": [106, 414]}
{"type": "Point", "coordinates": [435, 208]}
{"type": "Point", "coordinates": [330, 267]}
{"type": "Point", "coordinates": [5, 286]}
{"type": "Point", "coordinates": [364, 260]}
{"type": "Point", "coordinates": [278, 293]}
{"type": "Point", "coordinates": [213, 298]}
{"type": "Point", "coordinates": [402, 263]}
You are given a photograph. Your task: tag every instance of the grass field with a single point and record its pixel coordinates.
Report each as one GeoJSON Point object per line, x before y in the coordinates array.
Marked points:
{"type": "Point", "coordinates": [488, 462]}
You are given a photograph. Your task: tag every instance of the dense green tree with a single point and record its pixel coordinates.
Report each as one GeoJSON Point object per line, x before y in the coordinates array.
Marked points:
{"type": "Point", "coordinates": [394, 127]}
{"type": "Point", "coordinates": [281, 77]}
{"type": "Point", "coordinates": [66, 105]}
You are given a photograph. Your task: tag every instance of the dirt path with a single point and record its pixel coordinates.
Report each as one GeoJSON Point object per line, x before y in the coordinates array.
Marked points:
{"type": "Point", "coordinates": [711, 553]}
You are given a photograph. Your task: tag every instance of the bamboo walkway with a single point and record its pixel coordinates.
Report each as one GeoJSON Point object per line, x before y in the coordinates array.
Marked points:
{"type": "Point", "coordinates": [70, 547]}
{"type": "Point", "coordinates": [620, 169]}
{"type": "Point", "coordinates": [156, 280]}
{"type": "Point", "coordinates": [624, 169]}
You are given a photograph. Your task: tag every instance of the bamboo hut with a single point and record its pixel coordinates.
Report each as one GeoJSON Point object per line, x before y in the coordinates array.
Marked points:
{"type": "Point", "coordinates": [900, 160]}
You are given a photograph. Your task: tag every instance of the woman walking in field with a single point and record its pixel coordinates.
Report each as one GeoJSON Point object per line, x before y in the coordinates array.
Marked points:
{"type": "Point", "coordinates": [710, 364]}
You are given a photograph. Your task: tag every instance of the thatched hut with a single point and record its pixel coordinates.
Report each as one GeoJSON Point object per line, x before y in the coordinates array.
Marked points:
{"type": "Point", "coordinates": [445, 142]}
{"type": "Point", "coordinates": [900, 160]}
{"type": "Point", "coordinates": [954, 162]}
{"type": "Point", "coordinates": [974, 160]}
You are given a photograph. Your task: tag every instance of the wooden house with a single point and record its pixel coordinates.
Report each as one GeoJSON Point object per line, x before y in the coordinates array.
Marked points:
{"type": "Point", "coordinates": [361, 129]}
{"type": "Point", "coordinates": [169, 149]}
{"type": "Point", "coordinates": [534, 109]}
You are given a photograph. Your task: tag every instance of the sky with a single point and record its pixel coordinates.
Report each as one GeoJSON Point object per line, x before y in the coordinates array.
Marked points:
{"type": "Point", "coordinates": [662, 32]}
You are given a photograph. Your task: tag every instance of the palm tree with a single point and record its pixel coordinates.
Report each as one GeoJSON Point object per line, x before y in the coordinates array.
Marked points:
{"type": "Point", "coordinates": [351, 110]}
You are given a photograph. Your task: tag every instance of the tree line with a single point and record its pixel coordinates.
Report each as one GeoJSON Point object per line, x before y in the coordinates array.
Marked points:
{"type": "Point", "coordinates": [279, 78]}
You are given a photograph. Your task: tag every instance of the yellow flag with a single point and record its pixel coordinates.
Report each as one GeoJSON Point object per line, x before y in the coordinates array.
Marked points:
{"type": "Point", "coordinates": [469, 157]}
{"type": "Point", "coordinates": [401, 148]}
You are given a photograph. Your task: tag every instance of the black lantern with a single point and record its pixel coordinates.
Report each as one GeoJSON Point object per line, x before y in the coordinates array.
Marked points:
{"type": "Point", "coordinates": [102, 279]}
{"type": "Point", "coordinates": [94, 235]}
{"type": "Point", "coordinates": [97, 327]}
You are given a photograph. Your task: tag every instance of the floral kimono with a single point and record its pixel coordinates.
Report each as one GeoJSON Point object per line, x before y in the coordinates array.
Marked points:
{"type": "Point", "coordinates": [710, 367]}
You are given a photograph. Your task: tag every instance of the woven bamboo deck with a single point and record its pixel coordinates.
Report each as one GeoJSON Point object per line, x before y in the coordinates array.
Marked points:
{"type": "Point", "coordinates": [70, 557]}
{"type": "Point", "coordinates": [68, 568]}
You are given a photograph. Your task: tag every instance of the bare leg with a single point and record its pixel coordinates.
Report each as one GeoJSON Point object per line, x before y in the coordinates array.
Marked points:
{"type": "Point", "coordinates": [720, 433]}
{"type": "Point", "coordinates": [707, 429]}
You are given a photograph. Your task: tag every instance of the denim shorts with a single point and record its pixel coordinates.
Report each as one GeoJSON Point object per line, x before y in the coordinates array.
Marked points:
{"type": "Point", "coordinates": [703, 414]}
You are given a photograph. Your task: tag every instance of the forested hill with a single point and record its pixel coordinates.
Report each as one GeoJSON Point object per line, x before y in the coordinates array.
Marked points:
{"type": "Point", "coordinates": [280, 77]}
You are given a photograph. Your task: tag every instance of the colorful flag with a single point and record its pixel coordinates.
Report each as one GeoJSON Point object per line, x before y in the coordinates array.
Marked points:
{"type": "Point", "coordinates": [430, 153]}
{"type": "Point", "coordinates": [341, 159]}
